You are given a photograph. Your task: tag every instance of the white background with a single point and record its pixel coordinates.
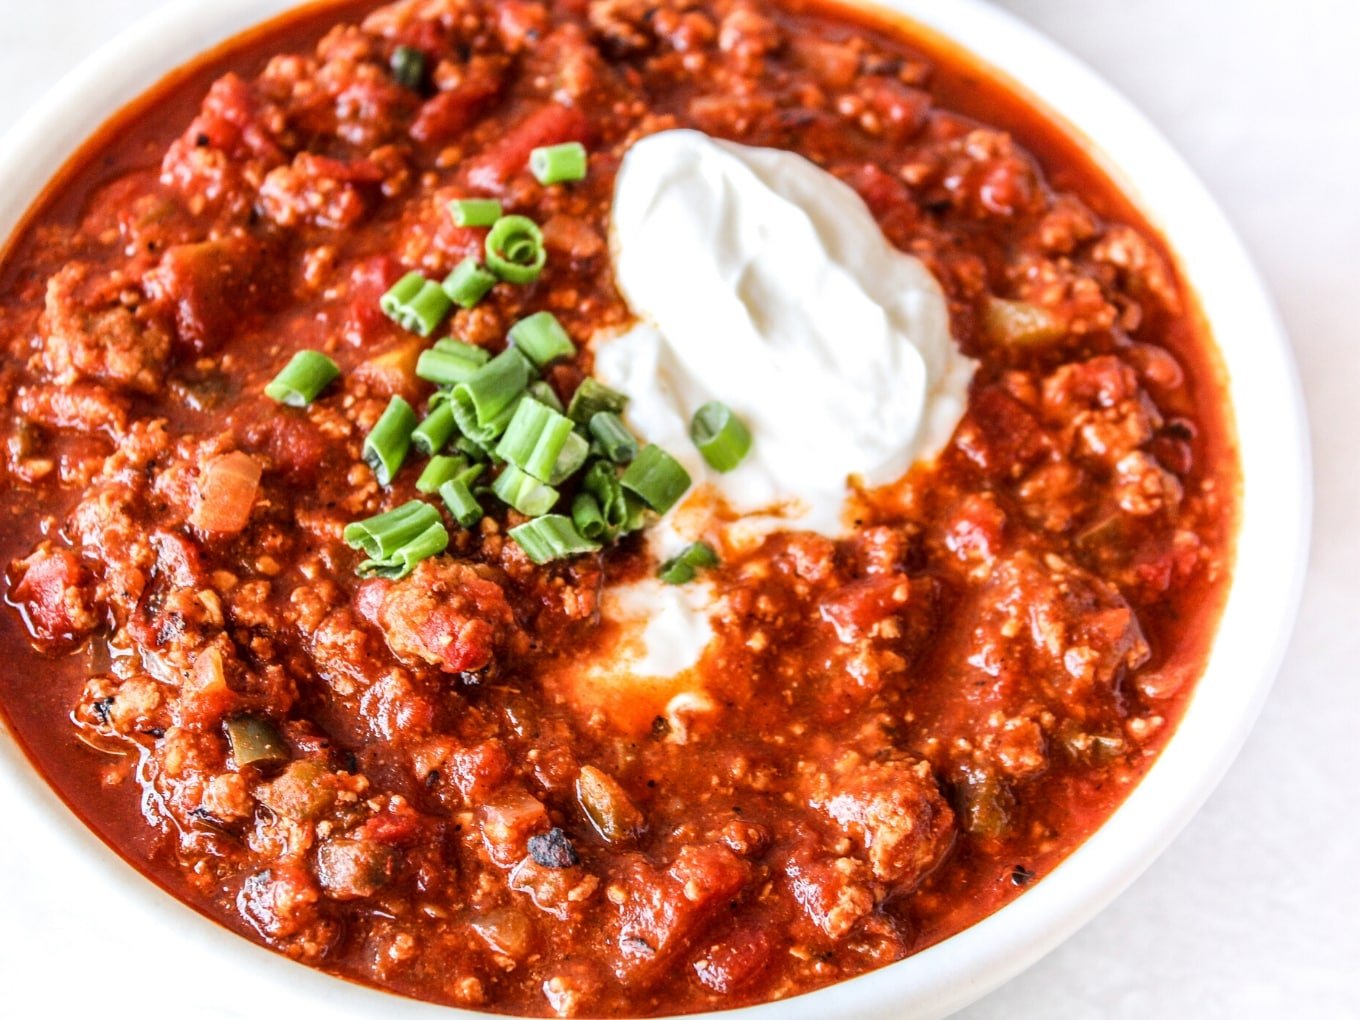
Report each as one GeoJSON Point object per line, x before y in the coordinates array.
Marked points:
{"type": "Point", "coordinates": [1255, 909]}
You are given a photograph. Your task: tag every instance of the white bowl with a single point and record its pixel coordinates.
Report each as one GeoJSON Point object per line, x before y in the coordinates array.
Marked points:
{"type": "Point", "coordinates": [131, 917]}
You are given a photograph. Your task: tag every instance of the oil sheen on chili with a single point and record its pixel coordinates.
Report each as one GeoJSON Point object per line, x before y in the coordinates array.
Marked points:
{"type": "Point", "coordinates": [895, 727]}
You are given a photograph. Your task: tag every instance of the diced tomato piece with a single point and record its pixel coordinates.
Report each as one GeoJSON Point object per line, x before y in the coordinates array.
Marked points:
{"type": "Point", "coordinates": [548, 125]}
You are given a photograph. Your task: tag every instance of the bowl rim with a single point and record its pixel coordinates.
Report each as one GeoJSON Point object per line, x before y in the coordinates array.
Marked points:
{"type": "Point", "coordinates": [1252, 635]}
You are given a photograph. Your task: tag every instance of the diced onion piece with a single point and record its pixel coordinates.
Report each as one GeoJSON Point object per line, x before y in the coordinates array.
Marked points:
{"type": "Point", "coordinates": [1019, 323]}
{"type": "Point", "coordinates": [227, 487]}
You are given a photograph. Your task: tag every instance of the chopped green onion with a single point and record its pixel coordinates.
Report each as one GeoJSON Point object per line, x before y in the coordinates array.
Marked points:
{"type": "Point", "coordinates": [386, 446]}
{"type": "Point", "coordinates": [592, 397]}
{"type": "Point", "coordinates": [416, 303]}
{"type": "Point", "coordinates": [445, 364]}
{"type": "Point", "coordinates": [468, 283]}
{"type": "Point", "coordinates": [437, 429]}
{"type": "Point", "coordinates": [534, 438]}
{"type": "Point", "coordinates": [438, 471]}
{"type": "Point", "coordinates": [720, 435]}
{"type": "Point", "coordinates": [408, 67]}
{"type": "Point", "coordinates": [524, 492]}
{"type": "Point", "coordinates": [471, 449]}
{"type": "Point", "coordinates": [551, 537]}
{"type": "Point", "coordinates": [637, 513]}
{"type": "Point", "coordinates": [656, 478]}
{"type": "Point", "coordinates": [401, 293]}
{"type": "Point", "coordinates": [542, 391]}
{"type": "Point", "coordinates": [554, 164]}
{"type": "Point", "coordinates": [458, 497]}
{"type": "Point", "coordinates": [430, 542]}
{"type": "Point", "coordinates": [541, 339]}
{"type": "Point", "coordinates": [475, 212]}
{"type": "Point", "coordinates": [514, 249]}
{"type": "Point", "coordinates": [613, 436]}
{"type": "Point", "coordinates": [380, 536]}
{"type": "Point", "coordinates": [602, 482]}
{"type": "Point", "coordinates": [484, 404]}
{"type": "Point", "coordinates": [569, 461]}
{"type": "Point", "coordinates": [302, 379]}
{"type": "Point", "coordinates": [588, 518]}
{"type": "Point", "coordinates": [682, 568]}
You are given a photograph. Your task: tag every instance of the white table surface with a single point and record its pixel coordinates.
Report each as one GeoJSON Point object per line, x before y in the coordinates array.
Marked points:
{"type": "Point", "coordinates": [1255, 910]}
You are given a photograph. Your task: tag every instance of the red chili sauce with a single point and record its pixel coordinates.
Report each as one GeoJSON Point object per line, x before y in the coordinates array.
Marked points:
{"type": "Point", "coordinates": [918, 721]}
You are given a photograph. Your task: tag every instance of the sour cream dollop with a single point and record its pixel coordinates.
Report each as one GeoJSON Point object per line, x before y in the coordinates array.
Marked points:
{"type": "Point", "coordinates": [760, 280]}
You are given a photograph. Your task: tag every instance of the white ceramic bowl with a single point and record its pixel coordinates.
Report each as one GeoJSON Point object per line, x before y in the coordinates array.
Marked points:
{"type": "Point", "coordinates": [193, 954]}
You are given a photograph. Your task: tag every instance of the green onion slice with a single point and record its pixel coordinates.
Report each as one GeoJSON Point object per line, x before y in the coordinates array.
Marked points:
{"type": "Point", "coordinates": [541, 339]}
{"type": "Point", "coordinates": [555, 164]}
{"type": "Point", "coordinates": [551, 537]}
{"type": "Point", "coordinates": [302, 379]}
{"type": "Point", "coordinates": [514, 249]}
{"type": "Point", "coordinates": [569, 461]}
{"type": "Point", "coordinates": [483, 405]}
{"type": "Point", "coordinates": [458, 497]}
{"type": "Point", "coordinates": [589, 518]}
{"type": "Point", "coordinates": [720, 435]}
{"type": "Point", "coordinates": [438, 471]}
{"type": "Point", "coordinates": [430, 542]}
{"type": "Point", "coordinates": [601, 481]}
{"type": "Point", "coordinates": [524, 492]}
{"type": "Point", "coordinates": [657, 478]}
{"type": "Point", "coordinates": [380, 536]}
{"type": "Point", "coordinates": [408, 67]}
{"type": "Point", "coordinates": [468, 283]}
{"type": "Point", "coordinates": [535, 438]}
{"type": "Point", "coordinates": [385, 448]}
{"type": "Point", "coordinates": [682, 568]}
{"type": "Point", "coordinates": [612, 434]}
{"type": "Point", "coordinates": [475, 212]}
{"type": "Point", "coordinates": [436, 430]}
{"type": "Point", "coordinates": [416, 304]}
{"type": "Point", "coordinates": [592, 397]}
{"type": "Point", "coordinates": [450, 362]}
{"type": "Point", "coordinates": [542, 391]}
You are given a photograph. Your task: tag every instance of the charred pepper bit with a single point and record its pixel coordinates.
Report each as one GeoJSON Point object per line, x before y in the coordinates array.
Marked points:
{"type": "Point", "coordinates": [350, 869]}
{"type": "Point", "coordinates": [255, 741]}
{"type": "Point", "coordinates": [552, 849]}
{"type": "Point", "coordinates": [607, 806]}
{"type": "Point", "coordinates": [984, 803]}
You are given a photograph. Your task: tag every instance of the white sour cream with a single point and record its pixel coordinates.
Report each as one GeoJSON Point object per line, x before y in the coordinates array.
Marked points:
{"type": "Point", "coordinates": [762, 281]}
